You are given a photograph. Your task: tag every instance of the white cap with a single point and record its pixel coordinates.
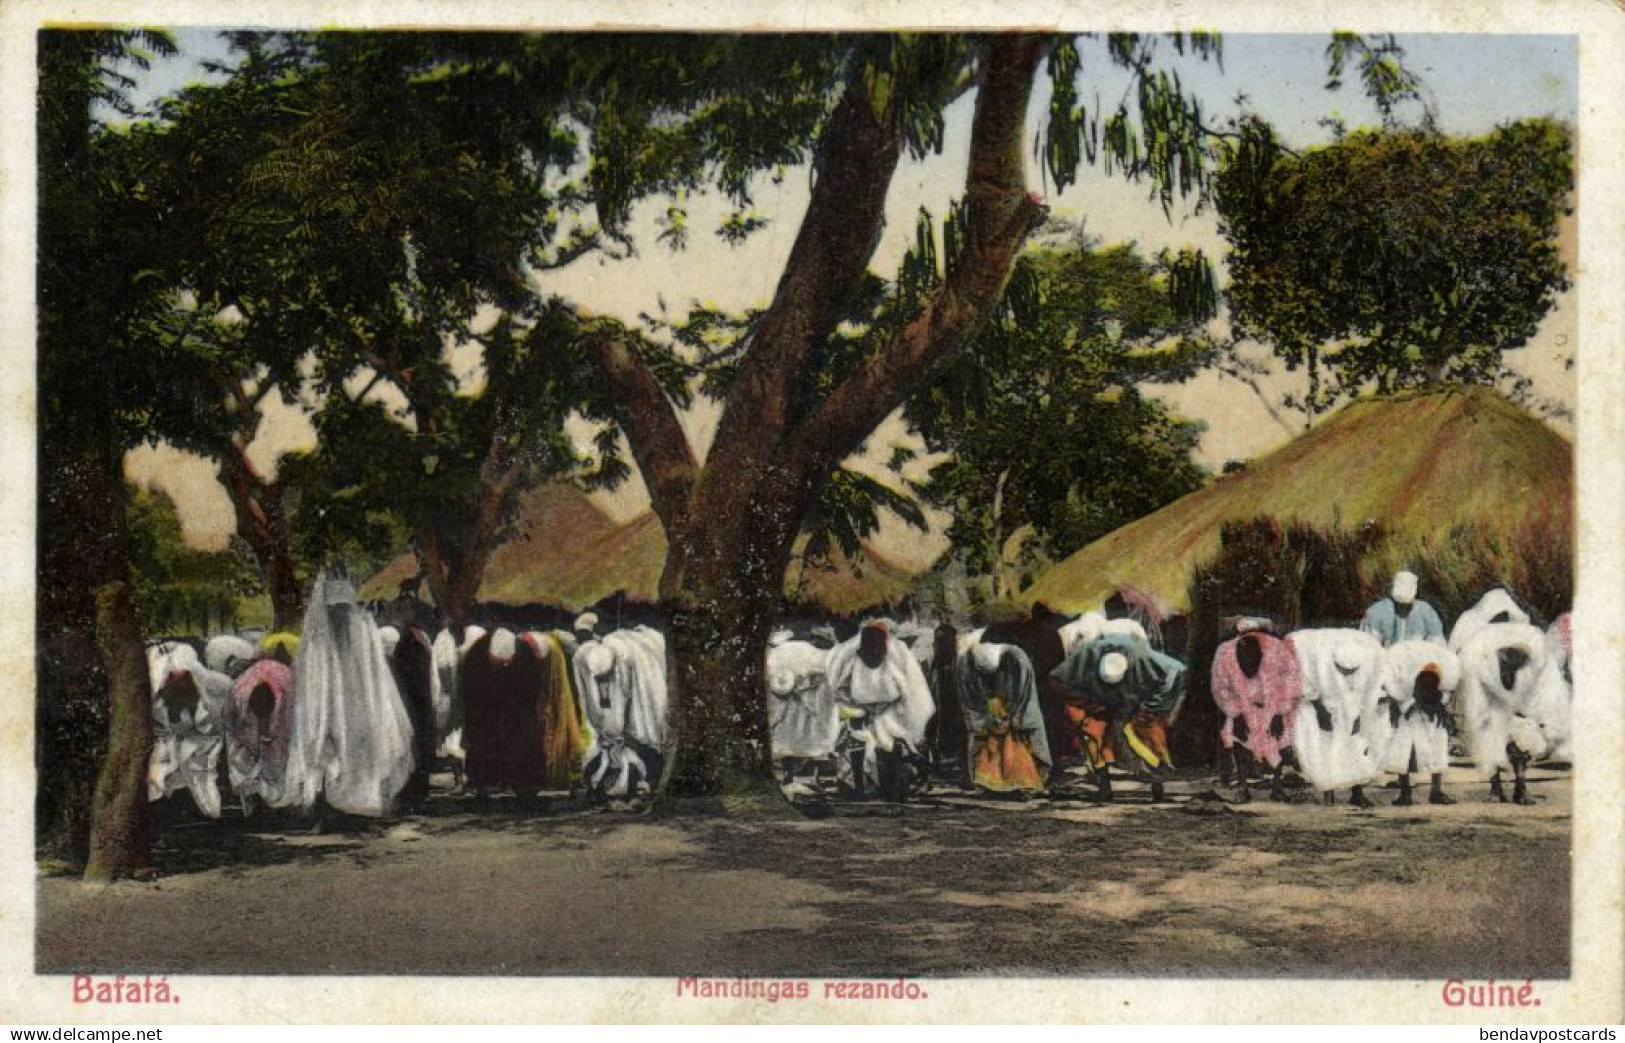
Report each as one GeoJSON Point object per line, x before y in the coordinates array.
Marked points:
{"type": "Point", "coordinates": [504, 643]}
{"type": "Point", "coordinates": [1348, 657]}
{"type": "Point", "coordinates": [1404, 590]}
{"type": "Point", "coordinates": [600, 659]}
{"type": "Point", "coordinates": [986, 657]}
{"type": "Point", "coordinates": [783, 682]}
{"type": "Point", "coordinates": [778, 637]}
{"type": "Point", "coordinates": [388, 638]}
{"type": "Point", "coordinates": [586, 621]}
{"type": "Point", "coordinates": [1113, 665]}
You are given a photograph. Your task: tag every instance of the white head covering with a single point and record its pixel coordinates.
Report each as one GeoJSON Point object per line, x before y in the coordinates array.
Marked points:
{"type": "Point", "coordinates": [470, 635]}
{"type": "Point", "coordinates": [388, 638]}
{"type": "Point", "coordinates": [586, 621]}
{"type": "Point", "coordinates": [778, 637]}
{"type": "Point", "coordinates": [600, 659]}
{"type": "Point", "coordinates": [986, 657]}
{"type": "Point", "coordinates": [1113, 665]}
{"type": "Point", "coordinates": [1348, 657]}
{"type": "Point", "coordinates": [1404, 590]}
{"type": "Point", "coordinates": [782, 682]}
{"type": "Point", "coordinates": [503, 644]}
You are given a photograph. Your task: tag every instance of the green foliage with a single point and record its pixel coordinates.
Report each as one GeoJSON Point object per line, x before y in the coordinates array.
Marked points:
{"type": "Point", "coordinates": [1044, 418]}
{"type": "Point", "coordinates": [179, 589]}
{"type": "Point", "coordinates": [1396, 259]}
{"type": "Point", "coordinates": [1382, 72]}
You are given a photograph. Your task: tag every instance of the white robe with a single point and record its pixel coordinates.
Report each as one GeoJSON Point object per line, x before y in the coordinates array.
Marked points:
{"type": "Point", "coordinates": [625, 703]}
{"type": "Point", "coordinates": [1494, 602]}
{"type": "Point", "coordinates": [1533, 713]}
{"type": "Point", "coordinates": [229, 654]}
{"type": "Point", "coordinates": [186, 752]}
{"type": "Point", "coordinates": [1415, 734]}
{"type": "Point", "coordinates": [1092, 625]}
{"type": "Point", "coordinates": [351, 737]}
{"type": "Point", "coordinates": [803, 719]}
{"type": "Point", "coordinates": [1344, 755]}
{"type": "Point", "coordinates": [894, 694]}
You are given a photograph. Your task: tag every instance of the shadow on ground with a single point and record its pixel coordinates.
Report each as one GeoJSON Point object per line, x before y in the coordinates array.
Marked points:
{"type": "Point", "coordinates": [948, 886]}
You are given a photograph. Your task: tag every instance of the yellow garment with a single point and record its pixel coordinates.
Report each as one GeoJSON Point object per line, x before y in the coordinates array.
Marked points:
{"type": "Point", "coordinates": [564, 731]}
{"type": "Point", "coordinates": [1145, 737]}
{"type": "Point", "coordinates": [1002, 761]}
{"type": "Point", "coordinates": [283, 639]}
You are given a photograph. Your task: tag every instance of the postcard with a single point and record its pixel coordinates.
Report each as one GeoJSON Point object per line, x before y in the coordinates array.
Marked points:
{"type": "Point", "coordinates": [890, 513]}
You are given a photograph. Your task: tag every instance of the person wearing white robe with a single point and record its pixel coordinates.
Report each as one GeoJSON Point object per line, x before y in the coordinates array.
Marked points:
{"type": "Point", "coordinates": [621, 681]}
{"type": "Point", "coordinates": [445, 668]}
{"type": "Point", "coordinates": [1496, 606]}
{"type": "Point", "coordinates": [1516, 703]}
{"type": "Point", "coordinates": [1341, 674]}
{"type": "Point", "coordinates": [1412, 727]}
{"type": "Point", "coordinates": [352, 740]}
{"type": "Point", "coordinates": [883, 696]}
{"type": "Point", "coordinates": [801, 710]}
{"type": "Point", "coordinates": [1093, 625]}
{"type": "Point", "coordinates": [229, 654]}
{"type": "Point", "coordinates": [188, 734]}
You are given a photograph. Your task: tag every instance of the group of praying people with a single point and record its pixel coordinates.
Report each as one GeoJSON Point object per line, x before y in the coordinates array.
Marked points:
{"type": "Point", "coordinates": [353, 716]}
{"type": "Point", "coordinates": [1353, 705]}
{"type": "Point", "coordinates": [1008, 708]}
{"type": "Point", "coordinates": [1003, 709]}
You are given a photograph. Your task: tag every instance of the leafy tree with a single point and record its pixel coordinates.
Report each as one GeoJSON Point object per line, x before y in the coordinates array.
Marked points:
{"type": "Point", "coordinates": [1397, 258]}
{"type": "Point", "coordinates": [452, 467]}
{"type": "Point", "coordinates": [1044, 417]}
{"type": "Point", "coordinates": [179, 588]}
{"type": "Point", "coordinates": [94, 368]}
{"type": "Point", "coordinates": [390, 190]}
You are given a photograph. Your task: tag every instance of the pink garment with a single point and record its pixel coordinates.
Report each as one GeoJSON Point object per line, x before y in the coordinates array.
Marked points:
{"type": "Point", "coordinates": [1564, 629]}
{"type": "Point", "coordinates": [1275, 691]}
{"type": "Point", "coordinates": [247, 741]}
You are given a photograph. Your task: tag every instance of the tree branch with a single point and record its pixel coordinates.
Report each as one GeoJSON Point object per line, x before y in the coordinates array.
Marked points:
{"type": "Point", "coordinates": [643, 411]}
{"type": "Point", "coordinates": [999, 215]}
{"type": "Point", "coordinates": [856, 157]}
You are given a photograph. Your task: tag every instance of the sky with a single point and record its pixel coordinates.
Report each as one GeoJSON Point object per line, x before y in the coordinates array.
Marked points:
{"type": "Point", "coordinates": [1474, 81]}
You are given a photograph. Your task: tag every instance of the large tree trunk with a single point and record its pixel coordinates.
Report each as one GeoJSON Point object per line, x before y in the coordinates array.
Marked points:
{"type": "Point", "coordinates": [120, 836]}
{"type": "Point", "coordinates": [71, 704]}
{"type": "Point", "coordinates": [83, 530]}
{"type": "Point", "coordinates": [721, 589]}
{"type": "Point", "coordinates": [262, 520]}
{"type": "Point", "coordinates": [102, 701]}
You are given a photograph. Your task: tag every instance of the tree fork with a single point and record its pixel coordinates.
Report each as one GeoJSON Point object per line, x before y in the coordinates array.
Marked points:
{"type": "Point", "coordinates": [262, 520]}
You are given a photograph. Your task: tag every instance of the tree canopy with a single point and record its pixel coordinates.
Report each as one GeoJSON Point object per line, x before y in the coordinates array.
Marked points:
{"type": "Point", "coordinates": [1043, 418]}
{"type": "Point", "coordinates": [1396, 258]}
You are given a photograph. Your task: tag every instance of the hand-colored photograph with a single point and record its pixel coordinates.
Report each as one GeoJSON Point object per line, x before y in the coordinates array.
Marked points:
{"type": "Point", "coordinates": [861, 505]}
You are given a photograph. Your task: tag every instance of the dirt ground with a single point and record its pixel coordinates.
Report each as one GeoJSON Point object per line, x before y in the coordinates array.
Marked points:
{"type": "Point", "coordinates": [948, 885]}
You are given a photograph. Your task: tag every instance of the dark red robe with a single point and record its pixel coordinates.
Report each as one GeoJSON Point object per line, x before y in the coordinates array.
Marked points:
{"type": "Point", "coordinates": [503, 705]}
